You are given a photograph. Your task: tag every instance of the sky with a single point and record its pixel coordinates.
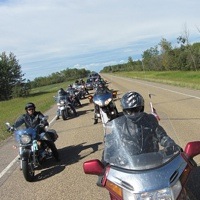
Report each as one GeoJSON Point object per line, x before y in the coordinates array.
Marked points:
{"type": "Point", "coordinates": [48, 36]}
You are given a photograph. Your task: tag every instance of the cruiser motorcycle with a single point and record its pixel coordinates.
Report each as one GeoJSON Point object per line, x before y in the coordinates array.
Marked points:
{"type": "Point", "coordinates": [64, 108]}
{"type": "Point", "coordinates": [160, 175]}
{"type": "Point", "coordinates": [33, 151]}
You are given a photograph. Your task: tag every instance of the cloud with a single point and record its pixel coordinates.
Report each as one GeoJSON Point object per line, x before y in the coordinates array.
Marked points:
{"type": "Point", "coordinates": [48, 35]}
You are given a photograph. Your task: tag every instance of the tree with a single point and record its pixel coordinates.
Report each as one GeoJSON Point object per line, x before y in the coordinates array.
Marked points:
{"type": "Point", "coordinates": [167, 54]}
{"type": "Point", "coordinates": [184, 41]}
{"type": "Point", "coordinates": [11, 75]}
{"type": "Point", "coordinates": [151, 59]}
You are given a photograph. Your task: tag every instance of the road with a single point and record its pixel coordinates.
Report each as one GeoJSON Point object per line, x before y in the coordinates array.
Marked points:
{"type": "Point", "coordinates": [79, 140]}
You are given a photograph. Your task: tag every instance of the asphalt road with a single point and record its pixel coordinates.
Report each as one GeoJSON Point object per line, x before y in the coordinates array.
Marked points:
{"type": "Point", "coordinates": [79, 140]}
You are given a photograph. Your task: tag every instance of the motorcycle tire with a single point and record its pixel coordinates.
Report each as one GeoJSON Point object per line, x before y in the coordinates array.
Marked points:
{"type": "Point", "coordinates": [64, 114]}
{"type": "Point", "coordinates": [28, 170]}
{"type": "Point", "coordinates": [70, 112]}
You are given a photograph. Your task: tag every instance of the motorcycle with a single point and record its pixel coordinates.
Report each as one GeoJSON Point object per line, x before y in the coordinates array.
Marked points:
{"type": "Point", "coordinates": [107, 110]}
{"type": "Point", "coordinates": [160, 175]}
{"type": "Point", "coordinates": [33, 151]}
{"type": "Point", "coordinates": [80, 91]}
{"type": "Point", "coordinates": [64, 108]}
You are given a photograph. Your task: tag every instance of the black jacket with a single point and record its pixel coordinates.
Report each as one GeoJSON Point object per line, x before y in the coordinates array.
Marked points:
{"type": "Point", "coordinates": [142, 134]}
{"type": "Point", "coordinates": [30, 120]}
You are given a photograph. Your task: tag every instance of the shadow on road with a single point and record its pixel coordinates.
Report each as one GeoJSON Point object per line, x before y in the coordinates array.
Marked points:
{"type": "Point", "coordinates": [193, 183]}
{"type": "Point", "coordinates": [69, 155]}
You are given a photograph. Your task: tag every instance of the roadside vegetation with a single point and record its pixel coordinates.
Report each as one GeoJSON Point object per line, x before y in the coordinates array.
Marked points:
{"type": "Point", "coordinates": [188, 79]}
{"type": "Point", "coordinates": [42, 97]}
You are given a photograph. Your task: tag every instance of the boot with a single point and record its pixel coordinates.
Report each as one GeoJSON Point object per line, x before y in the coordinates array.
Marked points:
{"type": "Point", "coordinates": [57, 118]}
{"type": "Point", "coordinates": [95, 121]}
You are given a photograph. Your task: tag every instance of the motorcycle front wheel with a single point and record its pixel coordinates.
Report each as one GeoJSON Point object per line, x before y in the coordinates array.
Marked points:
{"type": "Point", "coordinates": [64, 114]}
{"type": "Point", "coordinates": [28, 170]}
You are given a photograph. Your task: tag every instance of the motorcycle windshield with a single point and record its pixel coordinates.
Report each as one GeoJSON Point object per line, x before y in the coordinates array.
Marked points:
{"type": "Point", "coordinates": [25, 131]}
{"type": "Point", "coordinates": [129, 152]}
{"type": "Point", "coordinates": [61, 98]}
{"type": "Point", "coordinates": [102, 96]}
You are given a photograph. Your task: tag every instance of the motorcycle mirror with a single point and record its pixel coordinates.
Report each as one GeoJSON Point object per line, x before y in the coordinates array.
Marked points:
{"type": "Point", "coordinates": [94, 167]}
{"type": "Point", "coordinates": [7, 124]}
{"type": "Point", "coordinates": [150, 95]}
{"type": "Point", "coordinates": [45, 118]}
{"type": "Point", "coordinates": [192, 149]}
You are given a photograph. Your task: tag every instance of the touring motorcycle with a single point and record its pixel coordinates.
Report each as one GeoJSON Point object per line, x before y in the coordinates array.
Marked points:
{"type": "Point", "coordinates": [64, 108]}
{"type": "Point", "coordinates": [33, 151]}
{"type": "Point", "coordinates": [107, 109]}
{"type": "Point", "coordinates": [160, 175]}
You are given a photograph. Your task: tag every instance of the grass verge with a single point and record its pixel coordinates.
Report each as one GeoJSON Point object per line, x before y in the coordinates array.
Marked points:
{"type": "Point", "coordinates": [41, 96]}
{"type": "Point", "coordinates": [177, 78]}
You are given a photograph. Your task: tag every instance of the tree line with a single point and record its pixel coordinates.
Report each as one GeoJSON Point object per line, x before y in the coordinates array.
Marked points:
{"type": "Point", "coordinates": [164, 57]}
{"type": "Point", "coordinates": [161, 57]}
{"type": "Point", "coordinates": [13, 84]}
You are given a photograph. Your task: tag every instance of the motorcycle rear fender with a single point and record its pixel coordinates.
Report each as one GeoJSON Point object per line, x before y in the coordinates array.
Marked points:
{"type": "Point", "coordinates": [192, 149]}
{"type": "Point", "coordinates": [94, 167]}
{"type": "Point", "coordinates": [25, 154]}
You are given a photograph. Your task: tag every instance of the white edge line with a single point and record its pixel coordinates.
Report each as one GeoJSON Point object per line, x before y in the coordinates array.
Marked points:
{"type": "Point", "coordinates": [8, 167]}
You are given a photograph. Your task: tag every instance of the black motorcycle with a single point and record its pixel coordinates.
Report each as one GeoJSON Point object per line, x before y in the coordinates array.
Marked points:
{"type": "Point", "coordinates": [32, 147]}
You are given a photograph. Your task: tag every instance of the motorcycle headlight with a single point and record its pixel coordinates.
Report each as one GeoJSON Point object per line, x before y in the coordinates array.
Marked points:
{"type": "Point", "coordinates": [58, 104]}
{"type": "Point", "coordinates": [108, 101]}
{"type": "Point", "coordinates": [170, 193]}
{"type": "Point", "coordinates": [25, 139]}
{"type": "Point", "coordinates": [99, 103]}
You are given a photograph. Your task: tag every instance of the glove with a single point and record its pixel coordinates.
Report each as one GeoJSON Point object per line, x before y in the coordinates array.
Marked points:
{"type": "Point", "coordinates": [171, 149]}
{"type": "Point", "coordinates": [11, 129]}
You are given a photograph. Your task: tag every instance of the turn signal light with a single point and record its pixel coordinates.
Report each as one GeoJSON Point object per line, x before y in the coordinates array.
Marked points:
{"type": "Point", "coordinates": [113, 188]}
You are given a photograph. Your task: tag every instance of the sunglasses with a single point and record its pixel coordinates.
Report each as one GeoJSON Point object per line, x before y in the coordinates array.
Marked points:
{"type": "Point", "coordinates": [30, 109]}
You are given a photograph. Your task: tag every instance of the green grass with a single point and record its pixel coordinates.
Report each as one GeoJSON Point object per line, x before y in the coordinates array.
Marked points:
{"type": "Point", "coordinates": [12, 109]}
{"type": "Point", "coordinates": [178, 78]}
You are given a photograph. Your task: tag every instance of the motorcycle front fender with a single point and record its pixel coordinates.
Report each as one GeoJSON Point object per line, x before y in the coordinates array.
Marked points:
{"type": "Point", "coordinates": [25, 154]}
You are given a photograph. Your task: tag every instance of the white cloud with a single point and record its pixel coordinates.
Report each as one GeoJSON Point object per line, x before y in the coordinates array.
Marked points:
{"type": "Point", "coordinates": [48, 35]}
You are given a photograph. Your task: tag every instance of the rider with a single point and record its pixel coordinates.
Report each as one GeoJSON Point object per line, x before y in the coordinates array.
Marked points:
{"type": "Point", "coordinates": [62, 93]}
{"type": "Point", "coordinates": [31, 119]}
{"type": "Point", "coordinates": [141, 131]}
{"type": "Point", "coordinates": [141, 127]}
{"type": "Point", "coordinates": [100, 89]}
{"type": "Point", "coordinates": [71, 91]}
{"type": "Point", "coordinates": [82, 82]}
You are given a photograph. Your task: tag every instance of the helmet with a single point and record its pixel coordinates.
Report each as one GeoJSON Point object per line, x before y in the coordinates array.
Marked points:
{"type": "Point", "coordinates": [61, 91]}
{"type": "Point", "coordinates": [132, 102]}
{"type": "Point", "coordinates": [29, 105]}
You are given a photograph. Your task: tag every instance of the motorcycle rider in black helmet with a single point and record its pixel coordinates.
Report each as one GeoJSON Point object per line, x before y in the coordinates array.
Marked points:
{"type": "Point", "coordinates": [31, 119]}
{"type": "Point", "coordinates": [141, 131]}
{"type": "Point", "coordinates": [141, 127]}
{"type": "Point", "coordinates": [63, 94]}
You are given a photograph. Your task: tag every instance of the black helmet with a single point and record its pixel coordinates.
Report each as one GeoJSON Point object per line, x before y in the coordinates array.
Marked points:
{"type": "Point", "coordinates": [132, 102]}
{"type": "Point", "coordinates": [29, 105]}
{"type": "Point", "coordinates": [61, 91]}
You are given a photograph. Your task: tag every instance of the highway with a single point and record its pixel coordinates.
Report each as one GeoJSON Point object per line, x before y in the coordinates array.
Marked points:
{"type": "Point", "coordinates": [80, 140]}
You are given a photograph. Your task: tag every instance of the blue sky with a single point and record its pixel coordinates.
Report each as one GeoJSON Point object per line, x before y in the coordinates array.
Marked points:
{"type": "Point", "coordinates": [51, 35]}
